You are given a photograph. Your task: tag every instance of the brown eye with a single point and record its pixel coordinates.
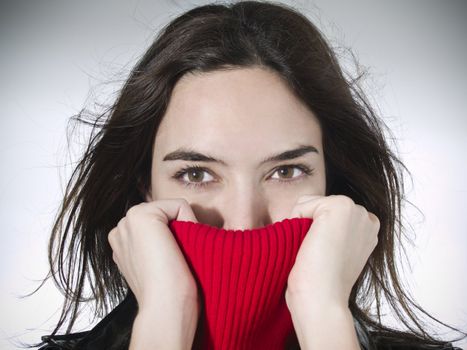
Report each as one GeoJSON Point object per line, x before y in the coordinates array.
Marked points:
{"type": "Point", "coordinates": [195, 175]}
{"type": "Point", "coordinates": [286, 172]}
{"type": "Point", "coordinates": [290, 173]}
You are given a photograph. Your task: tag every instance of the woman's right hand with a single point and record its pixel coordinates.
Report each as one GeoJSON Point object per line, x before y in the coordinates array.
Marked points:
{"type": "Point", "coordinates": [155, 269]}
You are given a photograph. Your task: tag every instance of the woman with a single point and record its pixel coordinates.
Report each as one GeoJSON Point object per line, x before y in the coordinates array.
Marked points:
{"type": "Point", "coordinates": [237, 118]}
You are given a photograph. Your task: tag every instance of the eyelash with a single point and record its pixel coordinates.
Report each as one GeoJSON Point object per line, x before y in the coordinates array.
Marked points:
{"type": "Point", "coordinates": [179, 174]}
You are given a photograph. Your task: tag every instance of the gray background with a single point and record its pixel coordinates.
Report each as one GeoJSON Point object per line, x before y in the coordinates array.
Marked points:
{"type": "Point", "coordinates": [58, 56]}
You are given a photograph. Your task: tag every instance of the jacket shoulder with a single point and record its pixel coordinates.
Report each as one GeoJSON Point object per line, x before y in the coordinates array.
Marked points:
{"type": "Point", "coordinates": [67, 341]}
{"type": "Point", "coordinates": [112, 332]}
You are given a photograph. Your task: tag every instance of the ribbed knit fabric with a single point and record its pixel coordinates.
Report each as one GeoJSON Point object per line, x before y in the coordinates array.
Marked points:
{"type": "Point", "coordinates": [242, 275]}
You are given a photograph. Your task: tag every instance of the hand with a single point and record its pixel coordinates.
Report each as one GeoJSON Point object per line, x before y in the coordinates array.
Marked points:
{"type": "Point", "coordinates": [334, 251]}
{"type": "Point", "coordinates": [155, 269]}
{"type": "Point", "coordinates": [148, 255]}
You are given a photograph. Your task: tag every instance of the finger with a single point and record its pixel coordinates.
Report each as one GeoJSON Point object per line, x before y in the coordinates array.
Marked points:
{"type": "Point", "coordinates": [361, 210]}
{"type": "Point", "coordinates": [186, 212]}
{"type": "Point", "coordinates": [375, 220]}
{"type": "Point", "coordinates": [306, 206]}
{"type": "Point", "coordinates": [307, 197]}
{"type": "Point", "coordinates": [111, 237]}
{"type": "Point", "coordinates": [171, 209]}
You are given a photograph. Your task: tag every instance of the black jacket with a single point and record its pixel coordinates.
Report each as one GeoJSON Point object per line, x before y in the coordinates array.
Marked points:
{"type": "Point", "coordinates": [113, 333]}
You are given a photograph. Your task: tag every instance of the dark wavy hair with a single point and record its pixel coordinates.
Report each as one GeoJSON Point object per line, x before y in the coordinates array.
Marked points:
{"type": "Point", "coordinates": [114, 171]}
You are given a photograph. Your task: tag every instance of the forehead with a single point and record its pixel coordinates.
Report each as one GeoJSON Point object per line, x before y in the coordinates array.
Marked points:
{"type": "Point", "coordinates": [235, 111]}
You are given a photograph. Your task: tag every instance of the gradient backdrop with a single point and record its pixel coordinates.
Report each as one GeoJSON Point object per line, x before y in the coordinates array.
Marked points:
{"type": "Point", "coordinates": [58, 56]}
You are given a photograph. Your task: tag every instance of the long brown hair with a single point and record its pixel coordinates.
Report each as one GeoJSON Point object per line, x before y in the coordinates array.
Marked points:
{"type": "Point", "coordinates": [114, 171]}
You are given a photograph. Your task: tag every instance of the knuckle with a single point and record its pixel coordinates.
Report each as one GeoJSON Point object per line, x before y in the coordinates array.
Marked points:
{"type": "Point", "coordinates": [377, 224]}
{"type": "Point", "coordinates": [131, 211]}
{"type": "Point", "coordinates": [111, 237]}
{"type": "Point", "coordinates": [375, 220]}
{"type": "Point", "coordinates": [137, 208]}
{"type": "Point", "coordinates": [345, 200]}
{"type": "Point", "coordinates": [134, 212]}
{"type": "Point", "coordinates": [121, 224]}
{"type": "Point", "coordinates": [361, 209]}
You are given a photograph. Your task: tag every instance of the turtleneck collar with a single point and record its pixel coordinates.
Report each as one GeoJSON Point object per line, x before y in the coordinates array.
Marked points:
{"type": "Point", "coordinates": [242, 278]}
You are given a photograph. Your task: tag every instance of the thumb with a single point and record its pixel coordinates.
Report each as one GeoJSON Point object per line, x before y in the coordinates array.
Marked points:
{"type": "Point", "coordinates": [185, 212]}
{"type": "Point", "coordinates": [172, 209]}
{"type": "Point", "coordinates": [306, 206]}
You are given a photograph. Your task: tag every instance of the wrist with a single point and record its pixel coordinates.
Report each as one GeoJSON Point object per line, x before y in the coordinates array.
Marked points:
{"type": "Point", "coordinates": [317, 320]}
{"type": "Point", "coordinates": [312, 306]}
{"type": "Point", "coordinates": [175, 296]}
{"type": "Point", "coordinates": [163, 323]}
{"type": "Point", "coordinates": [316, 299]}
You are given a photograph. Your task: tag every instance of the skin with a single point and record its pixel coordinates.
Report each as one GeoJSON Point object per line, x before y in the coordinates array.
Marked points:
{"type": "Point", "coordinates": [226, 115]}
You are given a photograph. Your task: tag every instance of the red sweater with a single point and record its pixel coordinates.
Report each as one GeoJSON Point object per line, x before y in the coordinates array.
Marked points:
{"type": "Point", "coordinates": [242, 276]}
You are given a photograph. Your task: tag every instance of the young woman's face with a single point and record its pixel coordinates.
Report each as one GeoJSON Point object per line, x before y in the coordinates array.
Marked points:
{"type": "Point", "coordinates": [256, 146]}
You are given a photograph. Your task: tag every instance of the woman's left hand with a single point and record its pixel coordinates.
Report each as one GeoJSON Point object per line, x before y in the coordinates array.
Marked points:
{"type": "Point", "coordinates": [334, 251]}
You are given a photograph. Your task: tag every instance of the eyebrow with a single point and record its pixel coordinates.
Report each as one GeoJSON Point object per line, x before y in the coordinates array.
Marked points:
{"type": "Point", "coordinates": [191, 155]}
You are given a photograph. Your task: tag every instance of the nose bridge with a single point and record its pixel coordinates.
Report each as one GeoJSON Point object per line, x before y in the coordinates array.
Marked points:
{"type": "Point", "coordinates": [245, 207]}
